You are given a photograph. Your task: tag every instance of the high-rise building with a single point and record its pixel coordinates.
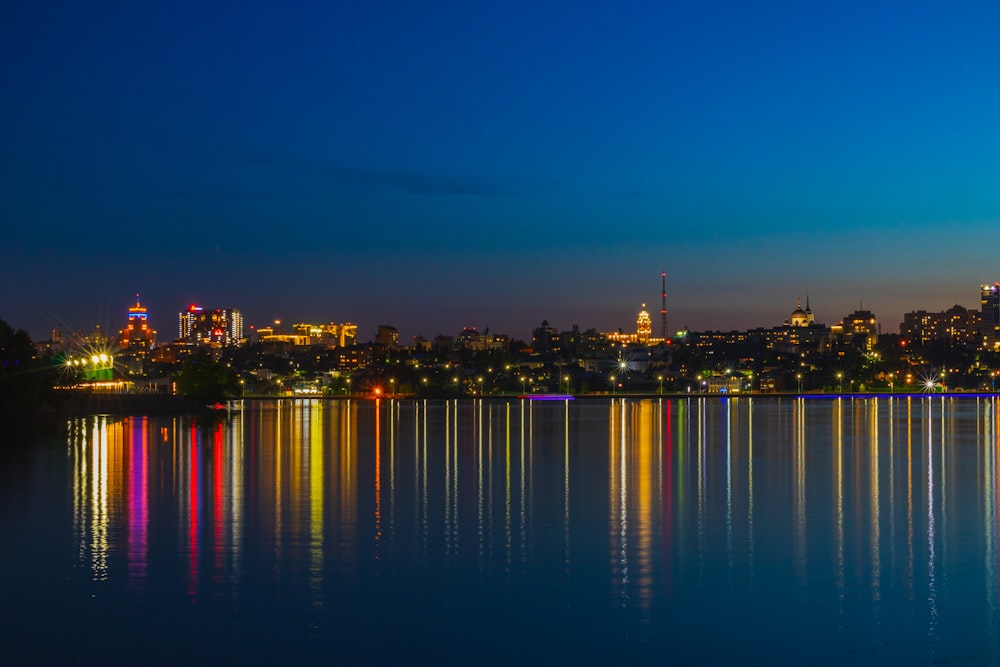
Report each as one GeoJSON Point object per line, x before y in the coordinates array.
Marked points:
{"type": "Point", "coordinates": [989, 325]}
{"type": "Point", "coordinates": [222, 327]}
{"type": "Point", "coordinates": [387, 336]}
{"type": "Point", "coordinates": [137, 337]}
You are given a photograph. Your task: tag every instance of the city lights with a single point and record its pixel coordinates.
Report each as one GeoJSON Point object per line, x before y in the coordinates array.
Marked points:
{"type": "Point", "coordinates": [317, 359]}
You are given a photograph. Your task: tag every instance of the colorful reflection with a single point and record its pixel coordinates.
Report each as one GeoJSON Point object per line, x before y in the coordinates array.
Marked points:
{"type": "Point", "coordinates": [830, 503]}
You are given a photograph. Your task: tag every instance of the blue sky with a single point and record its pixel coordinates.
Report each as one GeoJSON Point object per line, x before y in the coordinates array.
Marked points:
{"type": "Point", "coordinates": [439, 165]}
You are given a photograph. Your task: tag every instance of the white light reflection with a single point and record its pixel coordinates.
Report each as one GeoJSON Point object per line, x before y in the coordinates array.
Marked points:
{"type": "Point", "coordinates": [618, 489]}
{"type": "Point", "coordinates": [799, 484]}
{"type": "Point", "coordinates": [508, 533]}
{"type": "Point", "coordinates": [838, 440]}
{"type": "Point", "coordinates": [96, 453]}
{"type": "Point", "coordinates": [566, 557]}
{"type": "Point", "coordinates": [701, 486]}
{"type": "Point", "coordinates": [875, 537]}
{"type": "Point", "coordinates": [448, 410]}
{"type": "Point", "coordinates": [991, 442]}
{"type": "Point", "coordinates": [931, 564]}
{"type": "Point", "coordinates": [750, 528]}
{"type": "Point", "coordinates": [728, 417]}
{"type": "Point", "coordinates": [523, 523]}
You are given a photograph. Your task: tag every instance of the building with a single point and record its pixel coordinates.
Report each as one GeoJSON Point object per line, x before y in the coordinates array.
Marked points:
{"type": "Point", "coordinates": [956, 326]}
{"type": "Point", "coordinates": [860, 329]}
{"type": "Point", "coordinates": [643, 326]}
{"type": "Point", "coordinates": [304, 335]}
{"type": "Point", "coordinates": [137, 337]}
{"type": "Point", "coordinates": [798, 334]}
{"type": "Point", "coordinates": [545, 338]}
{"type": "Point", "coordinates": [989, 325]}
{"type": "Point", "coordinates": [329, 335]}
{"type": "Point", "coordinates": [387, 336]}
{"type": "Point", "coordinates": [800, 317]}
{"type": "Point", "coordinates": [643, 332]}
{"type": "Point", "coordinates": [471, 339]}
{"type": "Point", "coordinates": [221, 327]}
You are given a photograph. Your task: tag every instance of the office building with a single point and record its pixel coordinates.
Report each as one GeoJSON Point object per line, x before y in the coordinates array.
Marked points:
{"type": "Point", "coordinates": [221, 327]}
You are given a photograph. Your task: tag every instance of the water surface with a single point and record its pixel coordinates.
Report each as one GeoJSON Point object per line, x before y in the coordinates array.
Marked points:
{"type": "Point", "coordinates": [692, 531]}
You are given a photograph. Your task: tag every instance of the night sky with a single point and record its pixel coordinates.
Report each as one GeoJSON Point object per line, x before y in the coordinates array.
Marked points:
{"type": "Point", "coordinates": [437, 165]}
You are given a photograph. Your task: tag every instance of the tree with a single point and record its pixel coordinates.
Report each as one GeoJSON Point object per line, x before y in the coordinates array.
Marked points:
{"type": "Point", "coordinates": [25, 381]}
{"type": "Point", "coordinates": [201, 378]}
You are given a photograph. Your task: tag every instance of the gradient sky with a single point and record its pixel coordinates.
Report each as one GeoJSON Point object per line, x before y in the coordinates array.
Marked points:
{"type": "Point", "coordinates": [436, 165]}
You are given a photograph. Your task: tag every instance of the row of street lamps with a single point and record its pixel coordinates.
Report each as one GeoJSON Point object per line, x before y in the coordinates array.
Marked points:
{"type": "Point", "coordinates": [616, 384]}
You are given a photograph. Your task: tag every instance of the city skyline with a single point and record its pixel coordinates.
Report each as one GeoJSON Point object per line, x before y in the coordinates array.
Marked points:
{"type": "Point", "coordinates": [449, 166]}
{"type": "Point", "coordinates": [647, 315]}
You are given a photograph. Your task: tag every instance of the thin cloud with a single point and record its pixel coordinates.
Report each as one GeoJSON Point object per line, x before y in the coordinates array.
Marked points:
{"type": "Point", "coordinates": [213, 193]}
{"type": "Point", "coordinates": [408, 182]}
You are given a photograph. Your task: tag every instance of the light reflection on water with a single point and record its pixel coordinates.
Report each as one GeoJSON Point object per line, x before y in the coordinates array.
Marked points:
{"type": "Point", "coordinates": [860, 529]}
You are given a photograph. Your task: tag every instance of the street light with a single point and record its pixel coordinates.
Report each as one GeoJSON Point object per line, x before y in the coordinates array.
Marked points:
{"type": "Point", "coordinates": [798, 377]}
{"type": "Point", "coordinates": [392, 386]}
{"type": "Point", "coordinates": [480, 386]}
{"type": "Point", "coordinates": [612, 385]}
{"type": "Point", "coordinates": [840, 383]}
{"type": "Point", "coordinates": [566, 380]}
{"type": "Point", "coordinates": [659, 378]}
{"type": "Point", "coordinates": [522, 385]}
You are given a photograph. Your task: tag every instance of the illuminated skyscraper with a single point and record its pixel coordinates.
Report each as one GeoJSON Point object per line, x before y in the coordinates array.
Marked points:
{"type": "Point", "coordinates": [989, 326]}
{"type": "Point", "coordinates": [221, 327]}
{"type": "Point", "coordinates": [137, 337]}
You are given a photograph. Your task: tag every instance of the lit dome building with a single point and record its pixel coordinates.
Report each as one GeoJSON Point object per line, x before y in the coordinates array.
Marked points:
{"type": "Point", "coordinates": [800, 317]}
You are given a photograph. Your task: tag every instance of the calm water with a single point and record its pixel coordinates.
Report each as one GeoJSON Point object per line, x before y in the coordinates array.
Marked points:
{"type": "Point", "coordinates": [695, 531]}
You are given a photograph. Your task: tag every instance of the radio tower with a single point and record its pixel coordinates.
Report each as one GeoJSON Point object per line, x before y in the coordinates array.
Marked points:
{"type": "Point", "coordinates": [663, 307]}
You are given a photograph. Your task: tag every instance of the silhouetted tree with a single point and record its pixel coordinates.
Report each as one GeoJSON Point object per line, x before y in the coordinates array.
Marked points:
{"type": "Point", "coordinates": [25, 380]}
{"type": "Point", "coordinates": [201, 378]}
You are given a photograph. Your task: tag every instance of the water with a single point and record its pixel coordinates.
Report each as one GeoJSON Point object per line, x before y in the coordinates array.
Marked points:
{"type": "Point", "coordinates": [696, 531]}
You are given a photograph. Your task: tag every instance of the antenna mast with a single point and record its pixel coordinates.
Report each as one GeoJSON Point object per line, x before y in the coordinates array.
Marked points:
{"type": "Point", "coordinates": [663, 307]}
